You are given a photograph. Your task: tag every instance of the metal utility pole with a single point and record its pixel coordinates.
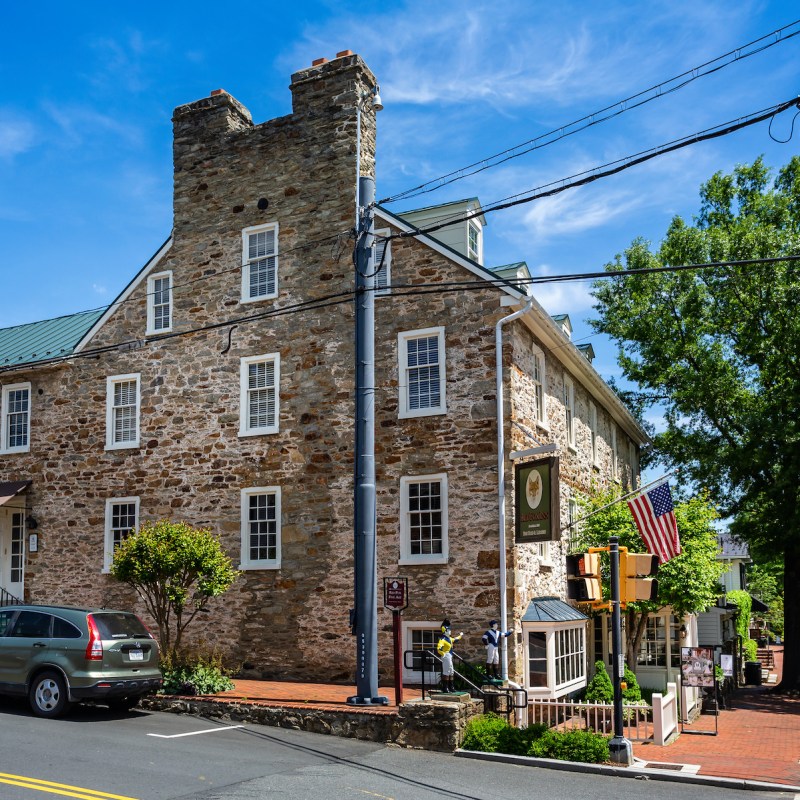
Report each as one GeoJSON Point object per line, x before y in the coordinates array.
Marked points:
{"type": "Point", "coordinates": [365, 614]}
{"type": "Point", "coordinates": [620, 748]}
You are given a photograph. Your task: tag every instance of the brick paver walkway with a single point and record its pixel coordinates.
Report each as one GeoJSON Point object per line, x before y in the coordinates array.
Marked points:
{"type": "Point", "coordinates": [759, 739]}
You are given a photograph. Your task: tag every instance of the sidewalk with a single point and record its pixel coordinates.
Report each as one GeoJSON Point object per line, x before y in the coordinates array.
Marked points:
{"type": "Point", "coordinates": [759, 739]}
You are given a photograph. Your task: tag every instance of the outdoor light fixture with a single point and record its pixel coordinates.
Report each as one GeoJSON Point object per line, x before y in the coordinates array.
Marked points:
{"type": "Point", "coordinates": [683, 631]}
{"type": "Point", "coordinates": [376, 99]}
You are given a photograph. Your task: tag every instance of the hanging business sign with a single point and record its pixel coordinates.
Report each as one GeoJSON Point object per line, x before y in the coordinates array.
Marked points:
{"type": "Point", "coordinates": [536, 501]}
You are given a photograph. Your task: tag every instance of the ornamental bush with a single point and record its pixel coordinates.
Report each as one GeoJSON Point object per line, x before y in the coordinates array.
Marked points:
{"type": "Point", "coordinates": [586, 746]}
{"type": "Point", "coordinates": [483, 733]}
{"type": "Point", "coordinates": [599, 688]}
{"type": "Point", "coordinates": [632, 694]}
{"type": "Point", "coordinates": [194, 674]}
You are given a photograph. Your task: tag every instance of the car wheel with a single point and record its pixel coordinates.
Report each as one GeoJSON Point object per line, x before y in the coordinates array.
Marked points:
{"type": "Point", "coordinates": [48, 695]}
{"type": "Point", "coordinates": [123, 703]}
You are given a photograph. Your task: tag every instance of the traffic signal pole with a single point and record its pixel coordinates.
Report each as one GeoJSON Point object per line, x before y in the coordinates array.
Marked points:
{"type": "Point", "coordinates": [619, 747]}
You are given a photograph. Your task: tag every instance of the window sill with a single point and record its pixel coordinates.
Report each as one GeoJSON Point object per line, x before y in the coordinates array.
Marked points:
{"type": "Point", "coordinates": [258, 299]}
{"type": "Point", "coordinates": [259, 432]}
{"type": "Point", "coordinates": [151, 332]}
{"type": "Point", "coordinates": [427, 412]}
{"type": "Point", "coordinates": [14, 450]}
{"type": "Point", "coordinates": [543, 426]}
{"type": "Point", "coordinates": [572, 448]}
{"type": "Point", "coordinates": [123, 446]}
{"type": "Point", "coordinates": [267, 565]}
{"type": "Point", "coordinates": [411, 561]}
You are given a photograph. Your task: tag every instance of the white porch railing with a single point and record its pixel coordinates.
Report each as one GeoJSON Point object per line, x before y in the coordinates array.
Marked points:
{"type": "Point", "coordinates": [566, 715]}
{"type": "Point", "coordinates": [665, 715]}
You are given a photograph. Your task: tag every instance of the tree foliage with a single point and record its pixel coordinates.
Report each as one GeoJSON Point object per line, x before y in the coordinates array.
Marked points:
{"type": "Point", "coordinates": [176, 569]}
{"type": "Point", "coordinates": [719, 350]}
{"type": "Point", "coordinates": [688, 583]}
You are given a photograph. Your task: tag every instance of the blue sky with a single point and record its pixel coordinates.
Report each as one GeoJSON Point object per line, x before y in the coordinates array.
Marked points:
{"type": "Point", "coordinates": [89, 88]}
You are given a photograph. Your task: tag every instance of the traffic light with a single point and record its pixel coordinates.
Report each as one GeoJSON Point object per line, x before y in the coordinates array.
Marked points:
{"type": "Point", "coordinates": [636, 571]}
{"type": "Point", "coordinates": [583, 578]}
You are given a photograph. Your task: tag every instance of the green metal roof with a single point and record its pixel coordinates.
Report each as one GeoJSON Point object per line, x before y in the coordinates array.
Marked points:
{"type": "Point", "coordinates": [551, 609]}
{"type": "Point", "coordinates": [41, 341]}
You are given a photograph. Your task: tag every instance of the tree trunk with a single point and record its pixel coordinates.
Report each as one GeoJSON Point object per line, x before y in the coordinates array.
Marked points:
{"type": "Point", "coordinates": [790, 679]}
{"type": "Point", "coordinates": [635, 627]}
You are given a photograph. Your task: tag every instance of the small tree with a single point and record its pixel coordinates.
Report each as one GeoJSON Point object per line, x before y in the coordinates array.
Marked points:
{"type": "Point", "coordinates": [688, 583]}
{"type": "Point", "coordinates": [176, 569]}
{"type": "Point", "coordinates": [600, 689]}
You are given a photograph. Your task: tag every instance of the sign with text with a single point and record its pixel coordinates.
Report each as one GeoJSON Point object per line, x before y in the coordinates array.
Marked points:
{"type": "Point", "coordinates": [536, 504]}
{"type": "Point", "coordinates": [697, 666]}
{"type": "Point", "coordinates": [395, 593]}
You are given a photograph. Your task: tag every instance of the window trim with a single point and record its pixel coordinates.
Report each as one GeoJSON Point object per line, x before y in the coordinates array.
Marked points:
{"type": "Point", "coordinates": [569, 412]}
{"type": "Point", "coordinates": [383, 291]}
{"type": "Point", "coordinates": [245, 289]}
{"type": "Point", "coordinates": [538, 355]}
{"type": "Point", "coordinates": [404, 411]}
{"type": "Point", "coordinates": [244, 409]}
{"type": "Point", "coordinates": [244, 531]}
{"type": "Point", "coordinates": [151, 329]}
{"type": "Point", "coordinates": [6, 391]}
{"type": "Point", "coordinates": [406, 558]}
{"type": "Point", "coordinates": [111, 380]}
{"type": "Point", "coordinates": [414, 676]}
{"type": "Point", "coordinates": [108, 543]}
{"type": "Point", "coordinates": [478, 257]}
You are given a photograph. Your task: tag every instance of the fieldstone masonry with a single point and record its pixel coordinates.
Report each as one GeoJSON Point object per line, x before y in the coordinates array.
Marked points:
{"type": "Point", "coordinates": [192, 463]}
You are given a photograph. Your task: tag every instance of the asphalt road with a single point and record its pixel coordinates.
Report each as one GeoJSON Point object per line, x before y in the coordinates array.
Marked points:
{"type": "Point", "coordinates": [93, 754]}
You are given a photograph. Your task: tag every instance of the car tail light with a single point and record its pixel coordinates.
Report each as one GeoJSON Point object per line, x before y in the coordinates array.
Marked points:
{"type": "Point", "coordinates": [94, 650]}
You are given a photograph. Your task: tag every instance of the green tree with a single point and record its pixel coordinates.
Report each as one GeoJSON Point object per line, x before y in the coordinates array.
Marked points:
{"type": "Point", "coordinates": [765, 581]}
{"type": "Point", "coordinates": [688, 583]}
{"type": "Point", "coordinates": [176, 569]}
{"type": "Point", "coordinates": [718, 350]}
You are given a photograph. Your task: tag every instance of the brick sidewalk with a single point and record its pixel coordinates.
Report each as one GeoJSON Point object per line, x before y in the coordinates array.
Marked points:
{"type": "Point", "coordinates": [759, 739]}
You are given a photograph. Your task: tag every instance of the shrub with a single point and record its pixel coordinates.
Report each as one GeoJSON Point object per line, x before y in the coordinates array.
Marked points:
{"type": "Point", "coordinates": [517, 741]}
{"type": "Point", "coordinates": [585, 746]}
{"type": "Point", "coordinates": [633, 694]}
{"type": "Point", "coordinates": [600, 689]}
{"type": "Point", "coordinates": [483, 733]}
{"type": "Point", "coordinates": [193, 674]}
{"type": "Point", "coordinates": [750, 650]}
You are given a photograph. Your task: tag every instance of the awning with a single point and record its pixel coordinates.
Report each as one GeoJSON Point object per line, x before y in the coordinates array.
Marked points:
{"type": "Point", "coordinates": [552, 609]}
{"type": "Point", "coordinates": [759, 606]}
{"type": "Point", "coordinates": [10, 489]}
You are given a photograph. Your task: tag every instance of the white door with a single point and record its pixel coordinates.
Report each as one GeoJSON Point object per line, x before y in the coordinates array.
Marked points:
{"type": "Point", "coordinates": [12, 551]}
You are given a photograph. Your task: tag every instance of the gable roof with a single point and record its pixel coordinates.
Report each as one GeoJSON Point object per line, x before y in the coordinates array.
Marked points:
{"type": "Point", "coordinates": [49, 339]}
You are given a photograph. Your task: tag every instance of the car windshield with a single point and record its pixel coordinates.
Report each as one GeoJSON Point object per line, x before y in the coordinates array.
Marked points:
{"type": "Point", "coordinates": [119, 625]}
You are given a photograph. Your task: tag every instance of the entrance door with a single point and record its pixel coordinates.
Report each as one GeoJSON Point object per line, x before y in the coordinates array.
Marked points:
{"type": "Point", "coordinates": [12, 552]}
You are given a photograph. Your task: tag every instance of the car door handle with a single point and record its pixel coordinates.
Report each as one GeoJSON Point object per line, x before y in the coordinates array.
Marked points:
{"type": "Point", "coordinates": [39, 644]}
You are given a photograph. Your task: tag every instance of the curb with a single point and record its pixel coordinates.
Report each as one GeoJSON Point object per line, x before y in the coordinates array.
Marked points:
{"type": "Point", "coordinates": [627, 772]}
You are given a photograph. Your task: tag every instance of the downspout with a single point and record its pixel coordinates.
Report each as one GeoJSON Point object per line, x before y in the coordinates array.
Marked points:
{"type": "Point", "coordinates": [501, 477]}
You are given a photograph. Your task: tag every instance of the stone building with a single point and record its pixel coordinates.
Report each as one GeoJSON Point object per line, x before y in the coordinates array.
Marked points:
{"type": "Point", "coordinates": [218, 389]}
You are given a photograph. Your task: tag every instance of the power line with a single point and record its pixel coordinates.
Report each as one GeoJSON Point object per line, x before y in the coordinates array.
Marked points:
{"type": "Point", "coordinates": [605, 170]}
{"type": "Point", "coordinates": [604, 114]}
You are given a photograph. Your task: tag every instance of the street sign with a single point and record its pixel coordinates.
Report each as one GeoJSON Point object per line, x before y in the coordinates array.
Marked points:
{"type": "Point", "coordinates": [395, 593]}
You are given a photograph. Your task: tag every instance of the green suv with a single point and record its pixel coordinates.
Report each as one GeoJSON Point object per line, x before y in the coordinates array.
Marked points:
{"type": "Point", "coordinates": [57, 655]}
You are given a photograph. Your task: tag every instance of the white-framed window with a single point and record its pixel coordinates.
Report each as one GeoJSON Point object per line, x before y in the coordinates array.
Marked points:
{"type": "Point", "coordinates": [555, 658]}
{"type": "Point", "coordinates": [259, 383]}
{"type": "Point", "coordinates": [543, 550]}
{"type": "Point", "coordinates": [614, 453]}
{"type": "Point", "coordinates": [122, 517]}
{"type": "Point", "coordinates": [383, 262]}
{"type": "Point", "coordinates": [423, 519]}
{"type": "Point", "coordinates": [422, 372]}
{"type": "Point", "coordinates": [539, 386]}
{"type": "Point", "coordinates": [122, 411]}
{"type": "Point", "coordinates": [159, 303]}
{"type": "Point", "coordinates": [569, 410]}
{"type": "Point", "coordinates": [660, 645]}
{"type": "Point", "coordinates": [634, 459]}
{"type": "Point", "coordinates": [260, 262]}
{"type": "Point", "coordinates": [593, 431]}
{"type": "Point", "coordinates": [15, 418]}
{"type": "Point", "coordinates": [419, 636]}
{"type": "Point", "coordinates": [474, 241]}
{"type": "Point", "coordinates": [261, 528]}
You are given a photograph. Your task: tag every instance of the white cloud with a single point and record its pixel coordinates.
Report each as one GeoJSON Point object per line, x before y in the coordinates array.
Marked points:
{"type": "Point", "coordinates": [563, 297]}
{"type": "Point", "coordinates": [78, 123]}
{"type": "Point", "coordinates": [97, 289]}
{"type": "Point", "coordinates": [16, 135]}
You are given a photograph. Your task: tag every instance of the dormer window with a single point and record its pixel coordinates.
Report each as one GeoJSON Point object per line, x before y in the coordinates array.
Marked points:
{"type": "Point", "coordinates": [474, 242]}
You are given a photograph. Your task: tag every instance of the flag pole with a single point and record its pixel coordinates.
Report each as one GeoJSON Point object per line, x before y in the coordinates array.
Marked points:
{"type": "Point", "coordinates": [618, 500]}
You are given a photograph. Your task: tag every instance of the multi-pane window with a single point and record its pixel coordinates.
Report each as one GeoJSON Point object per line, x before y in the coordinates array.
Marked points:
{"type": "Point", "coordinates": [122, 411]}
{"type": "Point", "coordinates": [593, 431]}
{"type": "Point", "coordinates": [423, 639]}
{"type": "Point", "coordinates": [423, 519]}
{"type": "Point", "coordinates": [261, 527]}
{"type": "Point", "coordinates": [260, 259]}
{"type": "Point", "coordinates": [422, 373]}
{"type": "Point", "coordinates": [660, 642]}
{"type": "Point", "coordinates": [570, 655]}
{"type": "Point", "coordinates": [383, 262]}
{"type": "Point", "coordinates": [474, 242]}
{"type": "Point", "coordinates": [15, 408]}
{"type": "Point", "coordinates": [569, 410]}
{"type": "Point", "coordinates": [538, 386]}
{"type": "Point", "coordinates": [122, 517]}
{"type": "Point", "coordinates": [259, 381]}
{"type": "Point", "coordinates": [17, 547]}
{"type": "Point", "coordinates": [418, 636]}
{"type": "Point", "coordinates": [159, 303]}
{"type": "Point", "coordinates": [537, 659]}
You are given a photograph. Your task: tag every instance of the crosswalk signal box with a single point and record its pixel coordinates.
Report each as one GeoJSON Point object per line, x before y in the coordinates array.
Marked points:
{"type": "Point", "coordinates": [583, 578]}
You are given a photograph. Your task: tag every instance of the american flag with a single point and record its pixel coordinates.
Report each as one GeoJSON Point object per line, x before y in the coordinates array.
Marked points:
{"type": "Point", "coordinates": [655, 518]}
